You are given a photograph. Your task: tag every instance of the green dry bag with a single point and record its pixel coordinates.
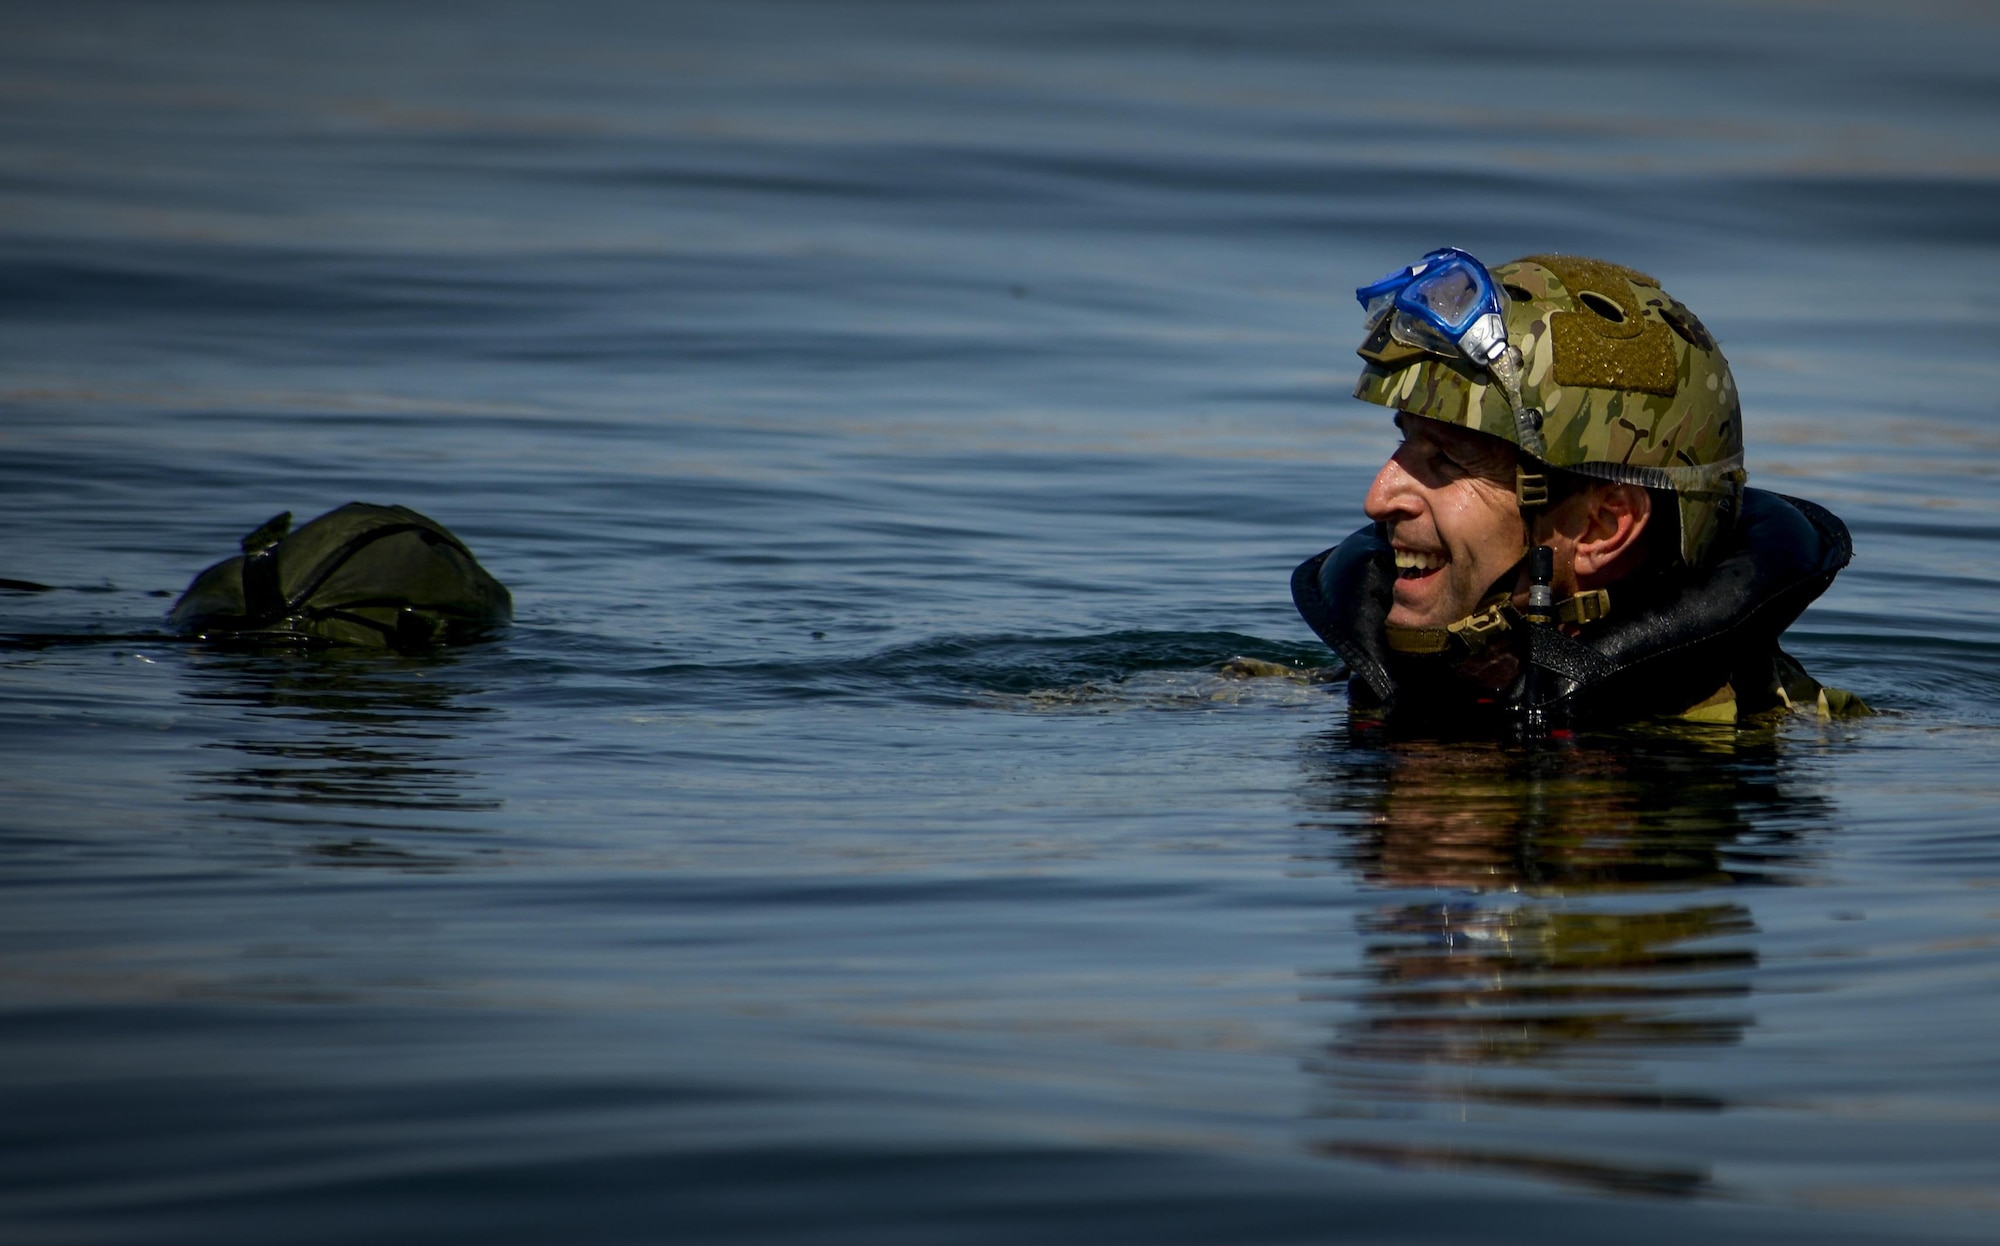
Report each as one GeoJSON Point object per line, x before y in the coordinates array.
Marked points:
{"type": "Point", "coordinates": [380, 576]}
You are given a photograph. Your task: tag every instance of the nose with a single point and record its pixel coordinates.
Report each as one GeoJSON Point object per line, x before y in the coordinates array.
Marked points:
{"type": "Point", "coordinates": [1393, 495]}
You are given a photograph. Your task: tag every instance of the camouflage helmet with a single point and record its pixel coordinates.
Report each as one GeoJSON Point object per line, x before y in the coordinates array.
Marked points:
{"type": "Point", "coordinates": [1628, 384]}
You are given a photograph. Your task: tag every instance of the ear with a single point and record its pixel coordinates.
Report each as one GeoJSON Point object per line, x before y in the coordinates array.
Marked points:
{"type": "Point", "coordinates": [1608, 548]}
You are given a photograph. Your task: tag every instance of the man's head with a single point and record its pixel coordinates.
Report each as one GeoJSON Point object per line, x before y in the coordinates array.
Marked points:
{"type": "Point", "coordinates": [1447, 504]}
{"type": "Point", "coordinates": [1603, 375]}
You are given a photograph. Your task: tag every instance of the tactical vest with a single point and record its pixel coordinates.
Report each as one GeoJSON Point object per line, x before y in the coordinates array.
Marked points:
{"type": "Point", "coordinates": [1670, 644]}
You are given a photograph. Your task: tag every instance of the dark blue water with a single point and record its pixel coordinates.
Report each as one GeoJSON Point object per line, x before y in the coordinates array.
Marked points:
{"type": "Point", "coordinates": [890, 418]}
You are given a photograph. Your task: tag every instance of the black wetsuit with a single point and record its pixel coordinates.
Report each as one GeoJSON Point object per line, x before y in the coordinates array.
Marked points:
{"type": "Point", "coordinates": [1671, 641]}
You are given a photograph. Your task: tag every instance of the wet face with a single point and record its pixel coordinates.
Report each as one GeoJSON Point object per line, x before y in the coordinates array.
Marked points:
{"type": "Point", "coordinates": [1446, 502]}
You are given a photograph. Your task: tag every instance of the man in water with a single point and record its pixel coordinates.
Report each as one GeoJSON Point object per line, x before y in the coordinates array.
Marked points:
{"type": "Point", "coordinates": [1564, 534]}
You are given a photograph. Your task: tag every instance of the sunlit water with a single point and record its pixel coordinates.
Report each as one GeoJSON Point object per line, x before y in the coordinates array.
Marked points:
{"type": "Point", "coordinates": [890, 418]}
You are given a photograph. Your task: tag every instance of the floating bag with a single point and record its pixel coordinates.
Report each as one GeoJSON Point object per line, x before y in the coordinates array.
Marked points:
{"type": "Point", "coordinates": [380, 576]}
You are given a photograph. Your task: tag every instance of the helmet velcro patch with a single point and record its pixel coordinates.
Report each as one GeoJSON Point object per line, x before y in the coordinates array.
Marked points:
{"type": "Point", "coordinates": [1606, 340]}
{"type": "Point", "coordinates": [1585, 356]}
{"type": "Point", "coordinates": [1580, 272]}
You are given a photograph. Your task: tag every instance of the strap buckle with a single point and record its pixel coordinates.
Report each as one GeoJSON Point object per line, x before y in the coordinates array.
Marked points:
{"type": "Point", "coordinates": [1530, 488]}
{"type": "Point", "coordinates": [1585, 607]}
{"type": "Point", "coordinates": [1478, 630]}
{"type": "Point", "coordinates": [1474, 634]}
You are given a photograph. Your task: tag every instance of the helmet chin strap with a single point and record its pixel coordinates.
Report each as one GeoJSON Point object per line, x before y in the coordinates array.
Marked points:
{"type": "Point", "coordinates": [1474, 635]}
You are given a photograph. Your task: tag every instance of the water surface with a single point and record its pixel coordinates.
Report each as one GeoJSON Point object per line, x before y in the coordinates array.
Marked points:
{"type": "Point", "coordinates": [890, 419]}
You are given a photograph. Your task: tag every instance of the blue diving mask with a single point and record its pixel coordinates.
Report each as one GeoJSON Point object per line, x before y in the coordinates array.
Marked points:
{"type": "Point", "coordinates": [1448, 304]}
{"type": "Point", "coordinates": [1445, 303]}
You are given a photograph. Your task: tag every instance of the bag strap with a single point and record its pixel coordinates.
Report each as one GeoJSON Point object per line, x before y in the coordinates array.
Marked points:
{"type": "Point", "coordinates": [264, 601]}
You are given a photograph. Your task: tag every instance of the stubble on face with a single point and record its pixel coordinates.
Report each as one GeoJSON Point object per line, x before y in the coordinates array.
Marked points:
{"type": "Point", "coordinates": [1445, 501]}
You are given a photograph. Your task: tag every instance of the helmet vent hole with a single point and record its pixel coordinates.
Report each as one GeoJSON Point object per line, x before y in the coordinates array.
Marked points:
{"type": "Point", "coordinates": [1602, 306]}
{"type": "Point", "coordinates": [1517, 293]}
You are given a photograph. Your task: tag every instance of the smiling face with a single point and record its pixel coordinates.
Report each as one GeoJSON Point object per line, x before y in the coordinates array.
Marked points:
{"type": "Point", "coordinates": [1445, 500]}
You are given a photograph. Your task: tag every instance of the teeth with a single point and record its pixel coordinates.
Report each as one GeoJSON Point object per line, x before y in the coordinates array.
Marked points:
{"type": "Point", "coordinates": [1411, 560]}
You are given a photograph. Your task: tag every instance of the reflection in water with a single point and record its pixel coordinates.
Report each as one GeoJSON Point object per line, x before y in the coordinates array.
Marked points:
{"type": "Point", "coordinates": [317, 732]}
{"type": "Point", "coordinates": [1584, 940]}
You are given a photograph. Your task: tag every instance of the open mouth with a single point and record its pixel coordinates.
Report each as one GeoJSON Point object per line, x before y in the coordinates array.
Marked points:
{"type": "Point", "coordinates": [1415, 564]}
